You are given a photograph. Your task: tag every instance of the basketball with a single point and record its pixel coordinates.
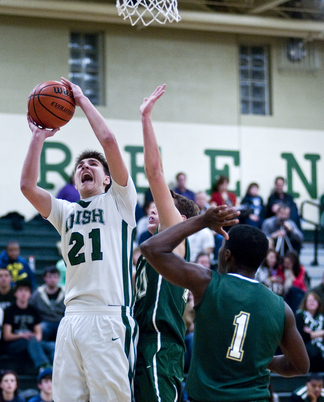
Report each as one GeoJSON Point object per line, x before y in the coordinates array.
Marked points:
{"type": "Point", "coordinates": [51, 104]}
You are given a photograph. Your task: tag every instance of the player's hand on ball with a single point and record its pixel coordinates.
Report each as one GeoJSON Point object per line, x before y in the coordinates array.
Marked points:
{"type": "Point", "coordinates": [39, 131]}
{"type": "Point", "coordinates": [75, 89]}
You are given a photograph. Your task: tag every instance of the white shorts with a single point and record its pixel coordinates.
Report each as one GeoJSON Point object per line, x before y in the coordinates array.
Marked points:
{"type": "Point", "coordinates": [95, 355]}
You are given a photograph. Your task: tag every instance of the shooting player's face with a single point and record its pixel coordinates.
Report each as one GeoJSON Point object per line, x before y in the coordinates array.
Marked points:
{"type": "Point", "coordinates": [90, 178]}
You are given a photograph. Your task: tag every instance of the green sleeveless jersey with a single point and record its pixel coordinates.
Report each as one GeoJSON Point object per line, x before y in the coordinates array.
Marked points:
{"type": "Point", "coordinates": [238, 326]}
{"type": "Point", "coordinates": [159, 305]}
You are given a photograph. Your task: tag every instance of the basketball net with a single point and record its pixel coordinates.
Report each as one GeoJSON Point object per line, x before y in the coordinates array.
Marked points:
{"type": "Point", "coordinates": [148, 11]}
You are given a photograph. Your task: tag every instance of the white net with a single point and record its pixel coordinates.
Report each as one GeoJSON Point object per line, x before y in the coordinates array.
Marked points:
{"type": "Point", "coordinates": [148, 11]}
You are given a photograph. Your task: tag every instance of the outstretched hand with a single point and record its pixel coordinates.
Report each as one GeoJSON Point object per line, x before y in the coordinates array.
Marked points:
{"type": "Point", "coordinates": [75, 89]}
{"type": "Point", "coordinates": [148, 103]}
{"type": "Point", "coordinates": [39, 131]}
{"type": "Point", "coordinates": [218, 217]}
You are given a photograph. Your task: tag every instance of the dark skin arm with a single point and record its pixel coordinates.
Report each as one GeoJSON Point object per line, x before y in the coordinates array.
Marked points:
{"type": "Point", "coordinates": [158, 250]}
{"type": "Point", "coordinates": [295, 360]}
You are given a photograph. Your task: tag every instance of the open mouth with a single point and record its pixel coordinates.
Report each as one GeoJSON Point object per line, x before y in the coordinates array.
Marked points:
{"type": "Point", "coordinates": [86, 177]}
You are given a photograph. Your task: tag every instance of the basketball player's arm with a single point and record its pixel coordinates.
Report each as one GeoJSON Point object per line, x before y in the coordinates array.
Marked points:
{"type": "Point", "coordinates": [105, 136]}
{"type": "Point", "coordinates": [37, 196]}
{"type": "Point", "coordinates": [294, 360]}
{"type": "Point", "coordinates": [158, 249]}
{"type": "Point", "coordinates": [168, 213]}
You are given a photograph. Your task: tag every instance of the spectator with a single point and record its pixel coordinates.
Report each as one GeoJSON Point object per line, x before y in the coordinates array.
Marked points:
{"type": "Point", "coordinates": [319, 289]}
{"type": "Point", "coordinates": [11, 259]}
{"type": "Point", "coordinates": [202, 241]}
{"type": "Point", "coordinates": [7, 296]}
{"type": "Point", "coordinates": [282, 230]}
{"type": "Point", "coordinates": [278, 197]}
{"type": "Point", "coordinates": [44, 384]}
{"type": "Point", "coordinates": [203, 259]}
{"type": "Point", "coordinates": [267, 273]}
{"type": "Point", "coordinates": [252, 208]}
{"type": "Point", "coordinates": [61, 266]}
{"type": "Point", "coordinates": [294, 279]}
{"type": "Point", "coordinates": [202, 201]}
{"type": "Point", "coordinates": [48, 299]}
{"type": "Point", "coordinates": [143, 222]}
{"type": "Point", "coordinates": [69, 192]}
{"type": "Point", "coordinates": [310, 324]}
{"type": "Point", "coordinates": [181, 187]}
{"type": "Point", "coordinates": [311, 392]}
{"type": "Point", "coordinates": [22, 330]}
{"type": "Point", "coordinates": [9, 387]}
{"type": "Point", "coordinates": [220, 194]}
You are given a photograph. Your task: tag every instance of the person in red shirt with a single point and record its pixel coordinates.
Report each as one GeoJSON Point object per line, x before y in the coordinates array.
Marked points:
{"type": "Point", "coordinates": [294, 279]}
{"type": "Point", "coordinates": [220, 194]}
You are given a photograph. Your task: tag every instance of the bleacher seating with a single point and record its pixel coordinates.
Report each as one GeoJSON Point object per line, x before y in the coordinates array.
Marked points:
{"type": "Point", "coordinates": [38, 238]}
{"type": "Point", "coordinates": [284, 386]}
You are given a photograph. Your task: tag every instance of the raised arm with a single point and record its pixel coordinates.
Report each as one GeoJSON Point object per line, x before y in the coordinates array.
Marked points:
{"type": "Point", "coordinates": [158, 249]}
{"type": "Point", "coordinates": [103, 133]}
{"type": "Point", "coordinates": [168, 213]}
{"type": "Point", "coordinates": [294, 360]}
{"type": "Point", "coordinates": [37, 196]}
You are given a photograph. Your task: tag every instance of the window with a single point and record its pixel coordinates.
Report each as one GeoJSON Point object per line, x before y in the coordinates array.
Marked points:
{"type": "Point", "coordinates": [254, 80]}
{"type": "Point", "coordinates": [86, 65]}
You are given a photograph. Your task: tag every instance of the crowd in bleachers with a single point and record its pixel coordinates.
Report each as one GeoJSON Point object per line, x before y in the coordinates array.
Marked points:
{"type": "Point", "coordinates": [281, 272]}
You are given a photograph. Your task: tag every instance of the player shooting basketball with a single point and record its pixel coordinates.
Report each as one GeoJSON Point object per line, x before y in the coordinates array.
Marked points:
{"type": "Point", "coordinates": [96, 340]}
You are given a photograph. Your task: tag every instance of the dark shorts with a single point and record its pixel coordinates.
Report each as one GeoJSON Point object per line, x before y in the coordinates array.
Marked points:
{"type": "Point", "coordinates": [159, 374]}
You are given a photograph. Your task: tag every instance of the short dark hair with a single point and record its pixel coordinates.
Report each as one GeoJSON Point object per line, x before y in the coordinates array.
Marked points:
{"type": "Point", "coordinates": [10, 242]}
{"type": "Point", "coordinates": [250, 186]}
{"type": "Point", "coordinates": [6, 269]}
{"type": "Point", "coordinates": [248, 246]}
{"type": "Point", "coordinates": [314, 376]}
{"type": "Point", "coordinates": [23, 283]}
{"type": "Point", "coordinates": [279, 178]}
{"type": "Point", "coordinates": [283, 206]}
{"type": "Point", "coordinates": [186, 207]}
{"type": "Point", "coordinates": [52, 269]}
{"type": "Point", "coordinates": [87, 154]}
{"type": "Point", "coordinates": [180, 174]}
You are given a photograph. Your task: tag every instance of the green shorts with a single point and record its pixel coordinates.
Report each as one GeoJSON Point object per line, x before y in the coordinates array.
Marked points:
{"type": "Point", "coordinates": [159, 374]}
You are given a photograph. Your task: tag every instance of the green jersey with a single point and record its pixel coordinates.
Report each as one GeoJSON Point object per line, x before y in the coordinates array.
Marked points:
{"type": "Point", "coordinates": [159, 305]}
{"type": "Point", "coordinates": [238, 325]}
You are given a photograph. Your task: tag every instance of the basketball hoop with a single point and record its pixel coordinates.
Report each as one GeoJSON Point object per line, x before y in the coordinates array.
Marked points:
{"type": "Point", "coordinates": [148, 11]}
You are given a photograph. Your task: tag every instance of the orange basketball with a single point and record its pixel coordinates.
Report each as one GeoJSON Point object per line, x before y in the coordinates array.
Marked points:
{"type": "Point", "coordinates": [51, 104]}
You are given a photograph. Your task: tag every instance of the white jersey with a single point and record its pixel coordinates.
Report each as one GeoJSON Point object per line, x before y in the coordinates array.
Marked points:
{"type": "Point", "coordinates": [97, 246]}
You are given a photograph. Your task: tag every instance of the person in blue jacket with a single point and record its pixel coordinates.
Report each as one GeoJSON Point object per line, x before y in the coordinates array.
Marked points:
{"type": "Point", "coordinates": [11, 259]}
